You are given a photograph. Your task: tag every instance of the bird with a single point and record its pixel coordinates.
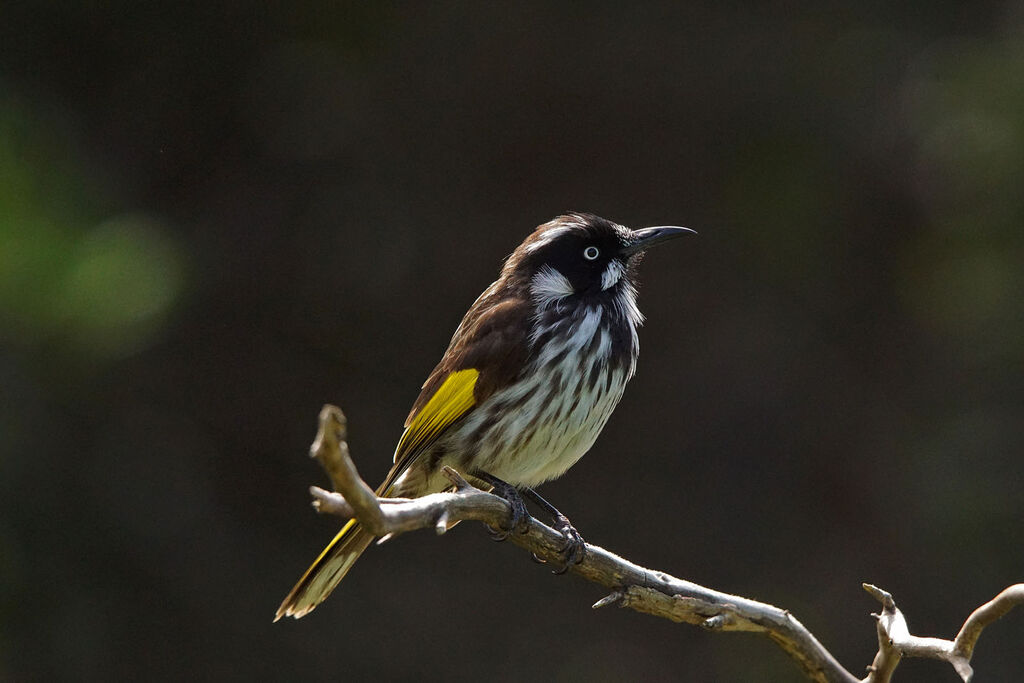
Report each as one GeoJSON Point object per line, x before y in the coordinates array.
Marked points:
{"type": "Point", "coordinates": [529, 379]}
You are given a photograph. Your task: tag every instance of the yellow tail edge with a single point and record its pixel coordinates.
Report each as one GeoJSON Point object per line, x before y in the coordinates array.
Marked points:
{"type": "Point", "coordinates": [326, 572]}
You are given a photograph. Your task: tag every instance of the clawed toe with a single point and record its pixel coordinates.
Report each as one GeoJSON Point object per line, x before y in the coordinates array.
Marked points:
{"type": "Point", "coordinates": [519, 520]}
{"type": "Point", "coordinates": [571, 552]}
{"type": "Point", "coordinates": [575, 548]}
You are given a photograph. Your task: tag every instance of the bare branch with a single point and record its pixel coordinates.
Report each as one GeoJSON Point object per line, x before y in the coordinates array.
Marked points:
{"type": "Point", "coordinates": [994, 609]}
{"type": "Point", "coordinates": [630, 585]}
{"type": "Point", "coordinates": [895, 640]}
{"type": "Point", "coordinates": [330, 447]}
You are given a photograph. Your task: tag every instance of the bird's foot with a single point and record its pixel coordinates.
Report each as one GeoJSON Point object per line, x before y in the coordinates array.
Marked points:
{"type": "Point", "coordinates": [519, 520]}
{"type": "Point", "coordinates": [575, 548]}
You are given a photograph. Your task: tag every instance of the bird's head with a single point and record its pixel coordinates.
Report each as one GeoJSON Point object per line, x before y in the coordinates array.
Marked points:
{"type": "Point", "coordinates": [581, 254]}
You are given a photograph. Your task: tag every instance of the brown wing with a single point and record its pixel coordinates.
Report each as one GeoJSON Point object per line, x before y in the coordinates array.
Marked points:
{"type": "Point", "coordinates": [492, 340]}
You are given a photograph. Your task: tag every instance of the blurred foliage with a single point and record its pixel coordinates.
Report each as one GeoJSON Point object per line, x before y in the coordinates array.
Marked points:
{"type": "Point", "coordinates": [70, 280]}
{"type": "Point", "coordinates": [966, 120]}
{"type": "Point", "coordinates": [215, 217]}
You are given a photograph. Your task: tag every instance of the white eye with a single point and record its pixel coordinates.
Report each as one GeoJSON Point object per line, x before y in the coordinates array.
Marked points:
{"type": "Point", "coordinates": [591, 253]}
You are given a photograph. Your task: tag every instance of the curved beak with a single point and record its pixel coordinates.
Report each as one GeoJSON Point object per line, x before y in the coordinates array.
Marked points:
{"type": "Point", "coordinates": [646, 238]}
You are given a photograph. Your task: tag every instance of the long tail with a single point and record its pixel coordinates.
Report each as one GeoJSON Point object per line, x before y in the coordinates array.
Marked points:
{"type": "Point", "coordinates": [326, 571]}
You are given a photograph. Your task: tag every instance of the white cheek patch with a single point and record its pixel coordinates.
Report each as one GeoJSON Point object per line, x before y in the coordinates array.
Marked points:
{"type": "Point", "coordinates": [548, 286]}
{"type": "Point", "coordinates": [613, 272]}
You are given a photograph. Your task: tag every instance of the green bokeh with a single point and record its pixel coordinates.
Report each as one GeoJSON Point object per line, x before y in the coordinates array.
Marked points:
{"type": "Point", "coordinates": [76, 276]}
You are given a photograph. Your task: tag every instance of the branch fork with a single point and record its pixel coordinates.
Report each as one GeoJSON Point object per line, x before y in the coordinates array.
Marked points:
{"type": "Point", "coordinates": [895, 640]}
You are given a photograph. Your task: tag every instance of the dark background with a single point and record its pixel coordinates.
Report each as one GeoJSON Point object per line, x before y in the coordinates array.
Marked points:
{"type": "Point", "coordinates": [215, 218]}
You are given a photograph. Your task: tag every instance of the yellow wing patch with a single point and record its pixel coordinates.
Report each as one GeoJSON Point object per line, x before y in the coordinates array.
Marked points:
{"type": "Point", "coordinates": [449, 403]}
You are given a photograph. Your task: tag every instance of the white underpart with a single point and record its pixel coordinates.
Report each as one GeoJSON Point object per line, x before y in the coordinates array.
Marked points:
{"type": "Point", "coordinates": [551, 429]}
{"type": "Point", "coordinates": [579, 336]}
{"type": "Point", "coordinates": [629, 310]}
{"type": "Point", "coordinates": [549, 433]}
{"type": "Point", "coordinates": [604, 345]}
{"type": "Point", "coordinates": [613, 272]}
{"type": "Point", "coordinates": [583, 331]}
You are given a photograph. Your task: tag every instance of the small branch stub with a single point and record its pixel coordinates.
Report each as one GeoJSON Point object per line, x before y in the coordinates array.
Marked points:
{"type": "Point", "coordinates": [609, 599]}
{"type": "Point", "coordinates": [441, 525]}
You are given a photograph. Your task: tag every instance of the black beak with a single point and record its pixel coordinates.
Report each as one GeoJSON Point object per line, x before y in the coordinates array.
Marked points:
{"type": "Point", "coordinates": [647, 237]}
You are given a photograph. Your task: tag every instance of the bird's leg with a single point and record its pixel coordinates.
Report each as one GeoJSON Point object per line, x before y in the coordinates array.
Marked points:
{"type": "Point", "coordinates": [575, 548]}
{"type": "Point", "coordinates": [520, 516]}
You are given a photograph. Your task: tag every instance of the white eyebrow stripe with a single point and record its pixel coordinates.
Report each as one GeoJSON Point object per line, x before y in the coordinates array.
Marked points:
{"type": "Point", "coordinates": [548, 236]}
